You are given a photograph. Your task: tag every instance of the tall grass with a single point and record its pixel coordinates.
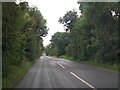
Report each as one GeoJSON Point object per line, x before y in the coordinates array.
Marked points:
{"type": "Point", "coordinates": [13, 78]}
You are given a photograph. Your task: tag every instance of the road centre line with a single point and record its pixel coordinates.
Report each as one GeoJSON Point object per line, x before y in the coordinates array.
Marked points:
{"type": "Point", "coordinates": [83, 81]}
{"type": "Point", "coordinates": [59, 64]}
{"type": "Point", "coordinates": [89, 85]}
{"type": "Point", "coordinates": [54, 61]}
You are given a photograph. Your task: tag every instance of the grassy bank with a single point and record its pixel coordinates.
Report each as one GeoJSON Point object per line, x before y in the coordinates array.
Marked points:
{"type": "Point", "coordinates": [18, 72]}
{"type": "Point", "coordinates": [113, 67]}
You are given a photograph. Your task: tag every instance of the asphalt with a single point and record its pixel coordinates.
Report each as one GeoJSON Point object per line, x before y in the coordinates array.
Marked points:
{"type": "Point", "coordinates": [51, 72]}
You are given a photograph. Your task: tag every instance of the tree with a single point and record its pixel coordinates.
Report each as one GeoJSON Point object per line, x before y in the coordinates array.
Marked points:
{"type": "Point", "coordinates": [59, 42]}
{"type": "Point", "coordinates": [68, 19]}
{"type": "Point", "coordinates": [105, 31]}
{"type": "Point", "coordinates": [93, 35]}
{"type": "Point", "coordinates": [22, 30]}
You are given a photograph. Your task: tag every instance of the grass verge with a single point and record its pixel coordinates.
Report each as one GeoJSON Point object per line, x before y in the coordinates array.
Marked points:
{"type": "Point", "coordinates": [19, 71]}
{"type": "Point", "coordinates": [113, 67]}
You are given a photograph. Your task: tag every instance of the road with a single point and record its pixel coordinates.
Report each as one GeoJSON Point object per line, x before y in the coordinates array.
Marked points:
{"type": "Point", "coordinates": [51, 72]}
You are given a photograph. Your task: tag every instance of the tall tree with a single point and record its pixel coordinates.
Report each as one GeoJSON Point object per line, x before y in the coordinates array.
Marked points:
{"type": "Point", "coordinates": [22, 30]}
{"type": "Point", "coordinates": [59, 42]}
{"type": "Point", "coordinates": [93, 35]}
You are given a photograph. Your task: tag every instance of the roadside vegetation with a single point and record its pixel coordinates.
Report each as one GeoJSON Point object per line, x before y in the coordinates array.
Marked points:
{"type": "Point", "coordinates": [22, 30]}
{"type": "Point", "coordinates": [113, 67]}
{"type": "Point", "coordinates": [92, 37]}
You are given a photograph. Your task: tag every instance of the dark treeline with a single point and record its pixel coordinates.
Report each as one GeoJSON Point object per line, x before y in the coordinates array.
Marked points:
{"type": "Point", "coordinates": [59, 42]}
{"type": "Point", "coordinates": [91, 36]}
{"type": "Point", "coordinates": [22, 30]}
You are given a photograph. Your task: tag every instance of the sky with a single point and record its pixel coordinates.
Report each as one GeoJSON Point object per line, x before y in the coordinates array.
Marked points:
{"type": "Point", "coordinates": [51, 11]}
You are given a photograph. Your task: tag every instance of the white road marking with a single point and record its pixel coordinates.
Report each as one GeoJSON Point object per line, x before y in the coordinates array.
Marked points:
{"type": "Point", "coordinates": [78, 77]}
{"type": "Point", "coordinates": [83, 81]}
{"type": "Point", "coordinates": [54, 61]}
{"type": "Point", "coordinates": [61, 65]}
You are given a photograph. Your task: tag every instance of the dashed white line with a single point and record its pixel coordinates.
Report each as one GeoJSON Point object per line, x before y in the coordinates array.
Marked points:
{"type": "Point", "coordinates": [78, 77]}
{"type": "Point", "coordinates": [60, 65]}
{"type": "Point", "coordinates": [83, 81]}
{"type": "Point", "coordinates": [54, 61]}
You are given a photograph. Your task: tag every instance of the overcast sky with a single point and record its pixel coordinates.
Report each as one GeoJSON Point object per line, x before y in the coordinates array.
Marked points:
{"type": "Point", "coordinates": [51, 11]}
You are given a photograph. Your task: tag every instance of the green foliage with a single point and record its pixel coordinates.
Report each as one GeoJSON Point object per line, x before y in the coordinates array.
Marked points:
{"type": "Point", "coordinates": [22, 30]}
{"type": "Point", "coordinates": [105, 31]}
{"type": "Point", "coordinates": [93, 35]}
{"type": "Point", "coordinates": [68, 19]}
{"type": "Point", "coordinates": [16, 74]}
{"type": "Point", "coordinates": [59, 42]}
{"type": "Point", "coordinates": [65, 57]}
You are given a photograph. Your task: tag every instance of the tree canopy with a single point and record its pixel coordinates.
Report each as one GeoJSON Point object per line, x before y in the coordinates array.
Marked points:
{"type": "Point", "coordinates": [94, 34]}
{"type": "Point", "coordinates": [59, 42]}
{"type": "Point", "coordinates": [22, 30]}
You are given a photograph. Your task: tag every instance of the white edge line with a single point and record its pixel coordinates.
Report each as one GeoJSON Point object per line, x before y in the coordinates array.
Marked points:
{"type": "Point", "coordinates": [83, 81]}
